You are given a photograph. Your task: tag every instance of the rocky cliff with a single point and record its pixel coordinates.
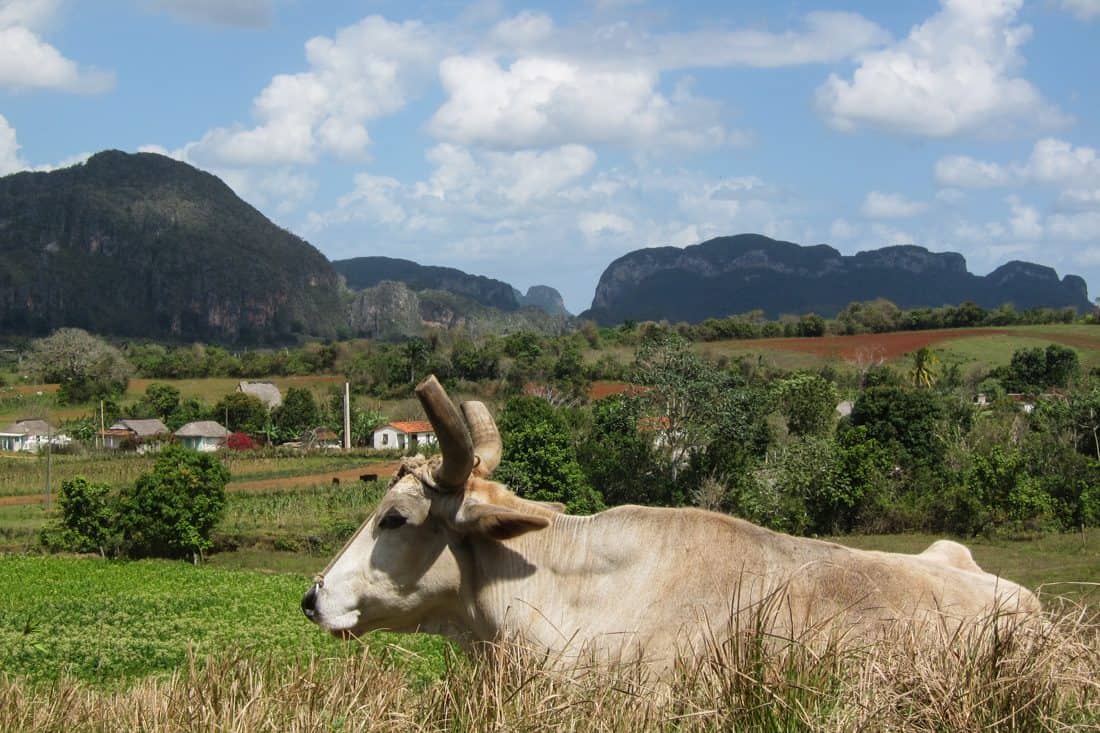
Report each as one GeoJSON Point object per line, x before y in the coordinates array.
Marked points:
{"type": "Point", "coordinates": [145, 246]}
{"type": "Point", "coordinates": [736, 274]}
{"type": "Point", "coordinates": [391, 310]}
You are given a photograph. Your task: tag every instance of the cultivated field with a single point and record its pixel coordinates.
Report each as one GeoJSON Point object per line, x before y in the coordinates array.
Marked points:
{"type": "Point", "coordinates": [985, 346]}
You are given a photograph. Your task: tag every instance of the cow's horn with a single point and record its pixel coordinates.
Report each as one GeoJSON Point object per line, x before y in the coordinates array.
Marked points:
{"type": "Point", "coordinates": [487, 443]}
{"type": "Point", "coordinates": [454, 438]}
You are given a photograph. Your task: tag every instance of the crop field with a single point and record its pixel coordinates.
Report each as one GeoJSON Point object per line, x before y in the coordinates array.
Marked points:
{"type": "Point", "coordinates": [988, 346]}
{"type": "Point", "coordinates": [25, 474]}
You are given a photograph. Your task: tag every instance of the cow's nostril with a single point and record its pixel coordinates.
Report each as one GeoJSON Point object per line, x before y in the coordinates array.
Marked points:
{"type": "Point", "coordinates": [309, 602]}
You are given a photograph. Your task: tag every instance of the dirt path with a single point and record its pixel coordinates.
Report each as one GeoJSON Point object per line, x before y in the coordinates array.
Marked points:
{"type": "Point", "coordinates": [382, 470]}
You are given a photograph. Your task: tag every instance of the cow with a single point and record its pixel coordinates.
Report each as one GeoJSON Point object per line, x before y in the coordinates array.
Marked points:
{"type": "Point", "coordinates": [450, 551]}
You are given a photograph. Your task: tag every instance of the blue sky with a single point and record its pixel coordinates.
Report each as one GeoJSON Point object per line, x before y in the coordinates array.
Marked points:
{"type": "Point", "coordinates": [536, 142]}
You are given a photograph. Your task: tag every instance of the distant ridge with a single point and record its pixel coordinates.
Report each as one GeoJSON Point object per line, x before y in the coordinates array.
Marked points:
{"type": "Point", "coordinates": [736, 274]}
{"type": "Point", "coordinates": [362, 273]}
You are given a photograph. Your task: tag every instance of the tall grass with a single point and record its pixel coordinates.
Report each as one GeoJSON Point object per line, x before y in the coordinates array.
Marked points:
{"type": "Point", "coordinates": [1025, 678]}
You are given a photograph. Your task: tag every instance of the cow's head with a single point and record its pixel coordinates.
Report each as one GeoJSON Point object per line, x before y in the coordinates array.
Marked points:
{"type": "Point", "coordinates": [401, 569]}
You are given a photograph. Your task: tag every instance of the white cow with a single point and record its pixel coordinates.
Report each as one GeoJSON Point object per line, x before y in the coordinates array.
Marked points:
{"type": "Point", "coordinates": [449, 551]}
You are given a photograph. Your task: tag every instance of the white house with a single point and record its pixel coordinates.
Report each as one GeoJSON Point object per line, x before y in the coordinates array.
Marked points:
{"type": "Point", "coordinates": [31, 436]}
{"type": "Point", "coordinates": [142, 435]}
{"type": "Point", "coordinates": [400, 435]}
{"type": "Point", "coordinates": [205, 436]}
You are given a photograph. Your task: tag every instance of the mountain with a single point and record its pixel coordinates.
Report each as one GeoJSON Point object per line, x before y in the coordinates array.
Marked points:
{"type": "Point", "coordinates": [544, 298]}
{"type": "Point", "coordinates": [392, 310]}
{"type": "Point", "coordinates": [361, 273]}
{"type": "Point", "coordinates": [730, 275]}
{"type": "Point", "coordinates": [142, 245]}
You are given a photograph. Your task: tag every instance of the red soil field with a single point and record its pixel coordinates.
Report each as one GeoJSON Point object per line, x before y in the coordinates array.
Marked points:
{"type": "Point", "coordinates": [874, 345]}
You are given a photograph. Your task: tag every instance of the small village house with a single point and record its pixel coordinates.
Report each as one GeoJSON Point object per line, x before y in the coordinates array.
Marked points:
{"type": "Point", "coordinates": [401, 435]}
{"type": "Point", "coordinates": [265, 392]}
{"type": "Point", "coordinates": [144, 435]}
{"type": "Point", "coordinates": [31, 435]}
{"type": "Point", "coordinates": [205, 436]}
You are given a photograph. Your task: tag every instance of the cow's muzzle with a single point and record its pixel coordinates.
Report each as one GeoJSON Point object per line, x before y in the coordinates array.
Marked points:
{"type": "Point", "coordinates": [309, 602]}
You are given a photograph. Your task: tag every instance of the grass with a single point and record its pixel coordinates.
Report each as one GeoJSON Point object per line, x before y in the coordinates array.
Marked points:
{"type": "Point", "coordinates": [108, 623]}
{"type": "Point", "coordinates": [1022, 678]}
{"type": "Point", "coordinates": [1064, 564]}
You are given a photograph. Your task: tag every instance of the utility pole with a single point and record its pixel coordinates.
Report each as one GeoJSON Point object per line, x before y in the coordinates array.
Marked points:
{"type": "Point", "coordinates": [102, 428]}
{"type": "Point", "coordinates": [347, 417]}
{"type": "Point", "coordinates": [49, 460]}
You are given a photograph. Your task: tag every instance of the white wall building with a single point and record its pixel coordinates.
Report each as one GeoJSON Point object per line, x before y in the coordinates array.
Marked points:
{"type": "Point", "coordinates": [400, 435]}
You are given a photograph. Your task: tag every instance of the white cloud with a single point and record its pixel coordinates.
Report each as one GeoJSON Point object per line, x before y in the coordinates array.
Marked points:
{"type": "Point", "coordinates": [842, 229]}
{"type": "Point", "coordinates": [523, 30]}
{"type": "Point", "coordinates": [1083, 9]}
{"type": "Point", "coordinates": [1024, 221]}
{"type": "Point", "coordinates": [10, 160]}
{"type": "Point", "coordinates": [1080, 227]}
{"type": "Point", "coordinates": [826, 37]}
{"type": "Point", "coordinates": [365, 72]}
{"type": "Point", "coordinates": [1052, 161]}
{"type": "Point", "coordinates": [888, 236]}
{"type": "Point", "coordinates": [966, 172]}
{"type": "Point", "coordinates": [954, 74]}
{"type": "Point", "coordinates": [243, 13]}
{"type": "Point", "coordinates": [1081, 197]}
{"type": "Point", "coordinates": [543, 101]}
{"type": "Point", "coordinates": [1059, 162]}
{"type": "Point", "coordinates": [879, 205]}
{"type": "Point", "coordinates": [596, 224]}
{"type": "Point", "coordinates": [28, 62]}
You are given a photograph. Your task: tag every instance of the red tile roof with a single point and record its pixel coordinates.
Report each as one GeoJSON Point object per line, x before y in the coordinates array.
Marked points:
{"type": "Point", "coordinates": [413, 426]}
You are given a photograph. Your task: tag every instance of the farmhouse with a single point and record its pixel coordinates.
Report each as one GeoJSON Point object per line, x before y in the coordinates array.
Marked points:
{"type": "Point", "coordinates": [204, 436]}
{"type": "Point", "coordinates": [30, 435]}
{"type": "Point", "coordinates": [144, 436]}
{"type": "Point", "coordinates": [265, 392]}
{"type": "Point", "coordinates": [400, 435]}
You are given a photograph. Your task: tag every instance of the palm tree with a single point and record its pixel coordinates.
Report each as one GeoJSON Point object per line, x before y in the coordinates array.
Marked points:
{"type": "Point", "coordinates": [923, 373]}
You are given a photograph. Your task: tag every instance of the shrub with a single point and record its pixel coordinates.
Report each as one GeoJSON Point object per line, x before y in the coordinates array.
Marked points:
{"type": "Point", "coordinates": [172, 510]}
{"type": "Point", "coordinates": [87, 518]}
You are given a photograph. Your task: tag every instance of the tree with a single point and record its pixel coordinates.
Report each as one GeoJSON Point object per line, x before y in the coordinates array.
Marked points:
{"type": "Point", "coordinates": [923, 373]}
{"type": "Point", "coordinates": [808, 402]}
{"type": "Point", "coordinates": [172, 510]}
{"type": "Point", "coordinates": [539, 461]}
{"type": "Point", "coordinates": [87, 517]}
{"type": "Point", "coordinates": [244, 412]}
{"type": "Point", "coordinates": [905, 420]}
{"type": "Point", "coordinates": [619, 459]}
{"type": "Point", "coordinates": [298, 412]}
{"type": "Point", "coordinates": [160, 400]}
{"type": "Point", "coordinates": [684, 396]}
{"type": "Point", "coordinates": [85, 367]}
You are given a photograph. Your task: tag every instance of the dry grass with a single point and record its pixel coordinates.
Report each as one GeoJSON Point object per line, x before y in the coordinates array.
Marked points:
{"type": "Point", "coordinates": [1039, 677]}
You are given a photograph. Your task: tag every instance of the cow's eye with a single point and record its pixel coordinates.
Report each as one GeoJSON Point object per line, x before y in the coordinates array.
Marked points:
{"type": "Point", "coordinates": [392, 521]}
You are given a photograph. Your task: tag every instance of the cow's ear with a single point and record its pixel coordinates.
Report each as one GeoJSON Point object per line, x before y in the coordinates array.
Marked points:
{"type": "Point", "coordinates": [497, 522]}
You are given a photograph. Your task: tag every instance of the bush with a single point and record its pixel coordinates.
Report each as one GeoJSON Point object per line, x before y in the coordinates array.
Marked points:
{"type": "Point", "coordinates": [87, 518]}
{"type": "Point", "coordinates": [539, 460]}
{"type": "Point", "coordinates": [172, 510]}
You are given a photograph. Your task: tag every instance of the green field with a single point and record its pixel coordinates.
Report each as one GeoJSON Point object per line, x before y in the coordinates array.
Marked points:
{"type": "Point", "coordinates": [107, 622]}
{"type": "Point", "coordinates": [25, 474]}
